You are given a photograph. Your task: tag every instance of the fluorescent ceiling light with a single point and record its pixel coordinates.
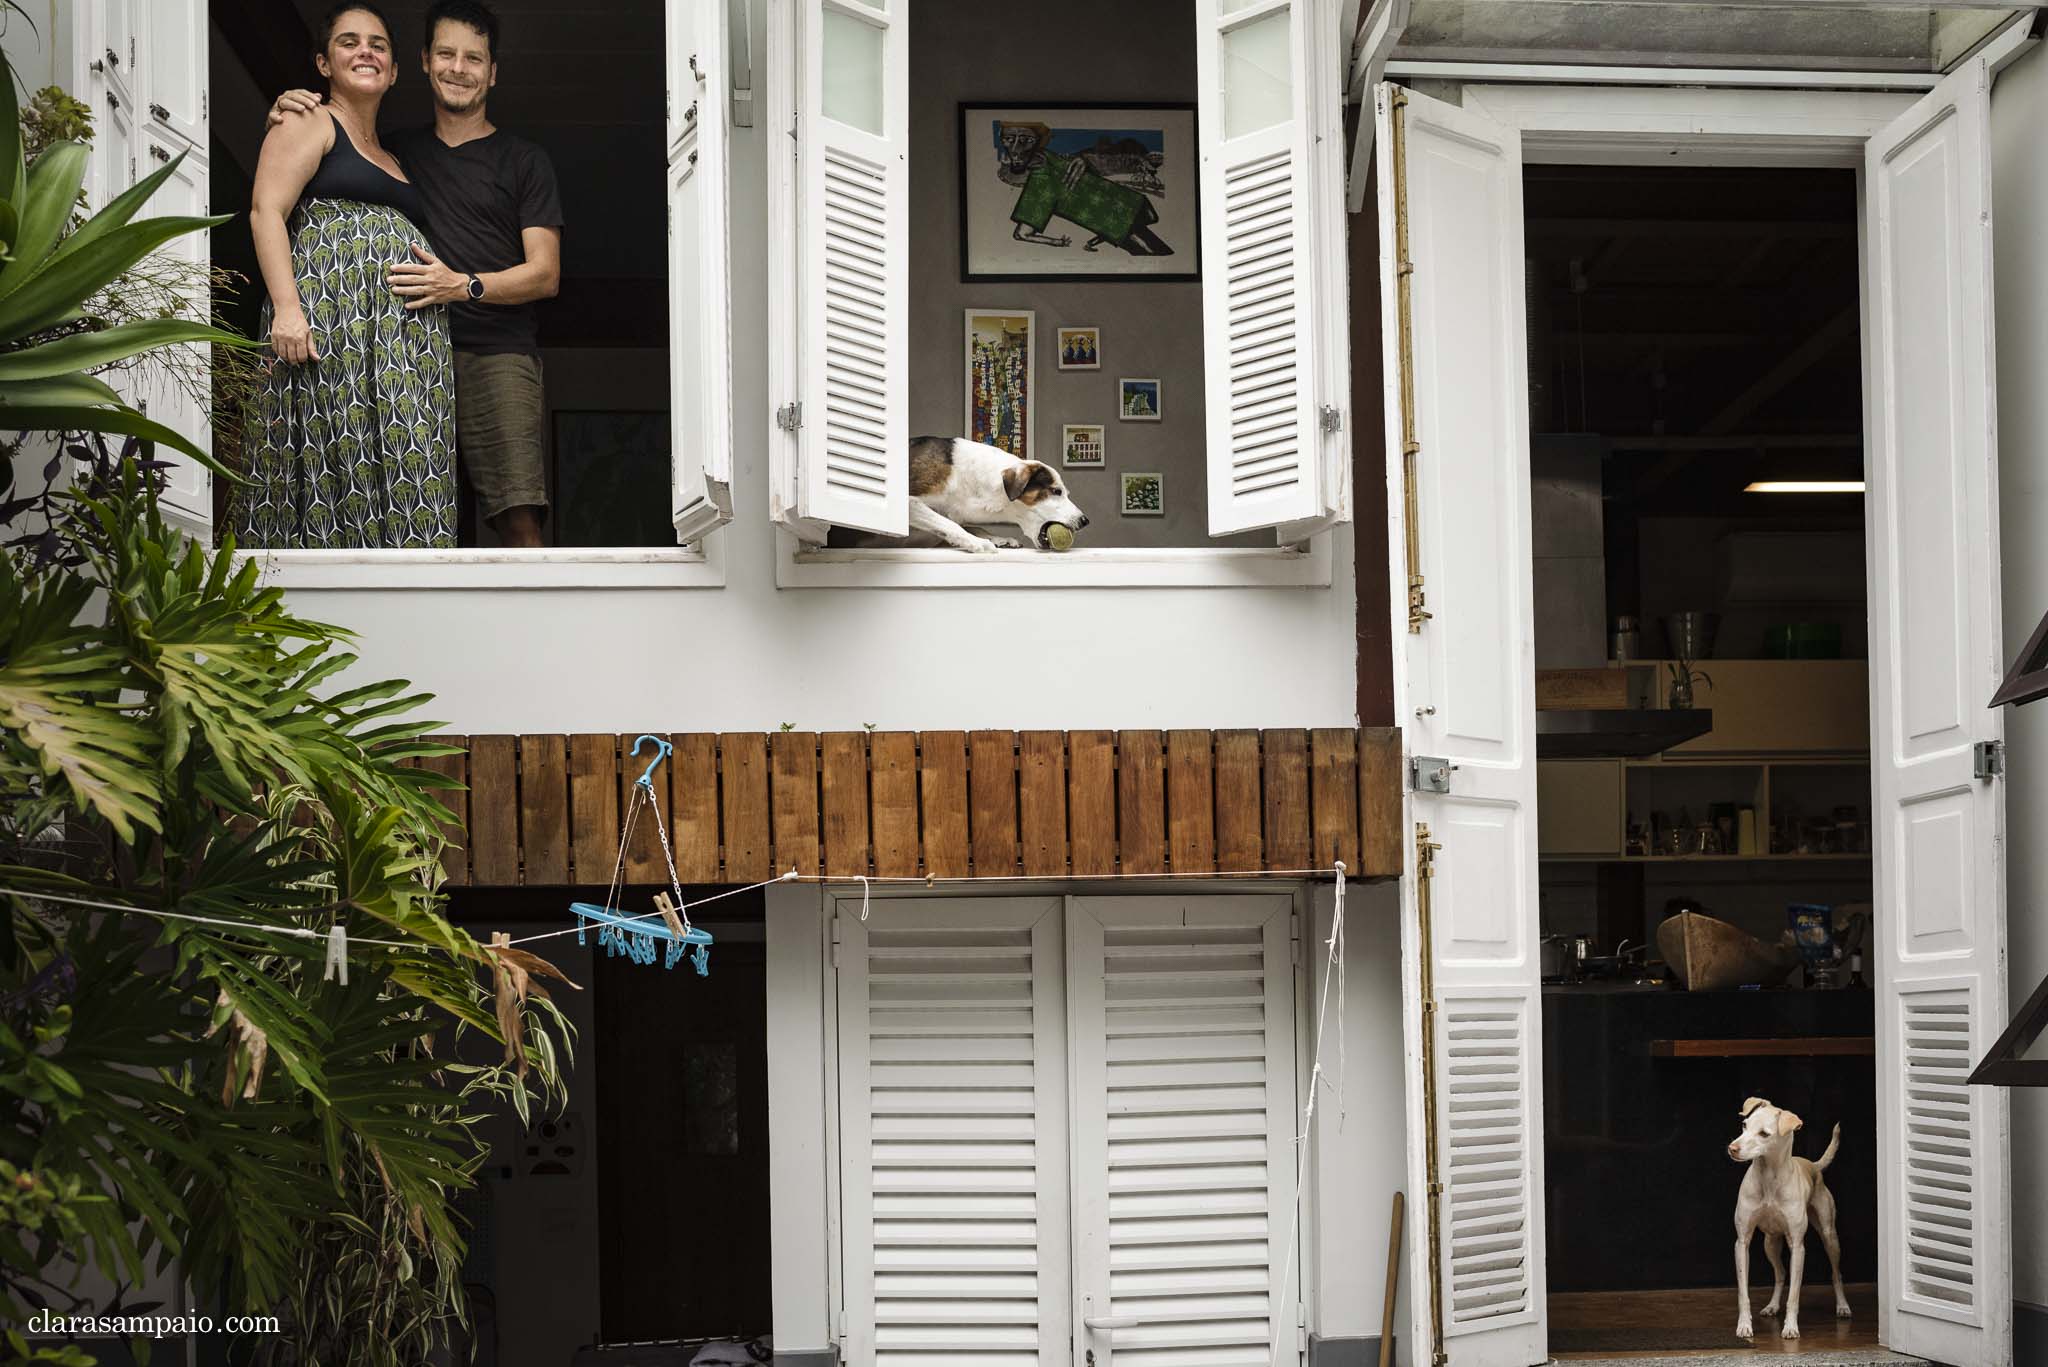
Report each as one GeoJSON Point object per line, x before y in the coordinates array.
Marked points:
{"type": "Point", "coordinates": [1804, 486]}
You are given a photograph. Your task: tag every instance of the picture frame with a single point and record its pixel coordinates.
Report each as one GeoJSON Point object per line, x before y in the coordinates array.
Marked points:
{"type": "Point", "coordinates": [999, 353]}
{"type": "Point", "coordinates": [1080, 348]}
{"type": "Point", "coordinates": [1084, 446]}
{"type": "Point", "coordinates": [1027, 214]}
{"type": "Point", "coordinates": [1141, 493]}
{"type": "Point", "coordinates": [1139, 400]}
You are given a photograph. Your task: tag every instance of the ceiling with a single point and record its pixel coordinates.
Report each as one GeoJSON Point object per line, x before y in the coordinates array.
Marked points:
{"type": "Point", "coordinates": [1705, 321]}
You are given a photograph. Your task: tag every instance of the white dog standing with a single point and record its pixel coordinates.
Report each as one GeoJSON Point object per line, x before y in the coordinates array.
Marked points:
{"type": "Point", "coordinates": [1782, 1194]}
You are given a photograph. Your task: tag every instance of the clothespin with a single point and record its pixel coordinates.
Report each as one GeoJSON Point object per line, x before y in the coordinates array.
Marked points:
{"type": "Point", "coordinates": [337, 954]}
{"type": "Point", "coordinates": [666, 905]}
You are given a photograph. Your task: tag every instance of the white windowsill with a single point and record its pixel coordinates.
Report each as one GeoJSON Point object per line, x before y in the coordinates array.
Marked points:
{"type": "Point", "coordinates": [654, 567]}
{"type": "Point", "coordinates": [1193, 567]}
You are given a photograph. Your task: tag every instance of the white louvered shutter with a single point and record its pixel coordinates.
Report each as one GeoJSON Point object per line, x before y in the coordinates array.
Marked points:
{"type": "Point", "coordinates": [1184, 1112]}
{"type": "Point", "coordinates": [699, 261]}
{"type": "Point", "coordinates": [952, 1075]}
{"type": "Point", "coordinates": [1468, 678]}
{"type": "Point", "coordinates": [853, 145]}
{"type": "Point", "coordinates": [1273, 287]}
{"type": "Point", "coordinates": [1944, 1206]}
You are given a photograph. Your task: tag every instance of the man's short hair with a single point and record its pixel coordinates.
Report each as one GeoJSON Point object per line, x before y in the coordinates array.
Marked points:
{"type": "Point", "coordinates": [478, 16]}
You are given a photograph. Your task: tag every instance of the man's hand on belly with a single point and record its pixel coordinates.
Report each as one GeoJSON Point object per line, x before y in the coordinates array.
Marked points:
{"type": "Point", "coordinates": [427, 281]}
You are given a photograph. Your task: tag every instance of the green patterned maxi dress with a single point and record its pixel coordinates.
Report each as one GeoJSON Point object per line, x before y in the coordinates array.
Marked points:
{"type": "Point", "coordinates": [357, 449]}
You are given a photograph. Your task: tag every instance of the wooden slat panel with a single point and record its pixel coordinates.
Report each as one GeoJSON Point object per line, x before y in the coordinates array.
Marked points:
{"type": "Point", "coordinates": [1379, 802]}
{"type": "Point", "coordinates": [493, 811]}
{"type": "Point", "coordinates": [455, 857]}
{"type": "Point", "coordinates": [1237, 801]}
{"type": "Point", "coordinates": [593, 807]}
{"type": "Point", "coordinates": [1190, 802]}
{"type": "Point", "coordinates": [992, 801]}
{"type": "Point", "coordinates": [1333, 796]}
{"type": "Point", "coordinates": [644, 863]}
{"type": "Point", "coordinates": [1091, 801]}
{"type": "Point", "coordinates": [1141, 802]}
{"type": "Point", "coordinates": [1286, 774]}
{"type": "Point", "coordinates": [544, 809]}
{"type": "Point", "coordinates": [843, 802]}
{"type": "Point", "coordinates": [892, 768]}
{"type": "Point", "coordinates": [693, 806]}
{"type": "Point", "coordinates": [1800, 1046]}
{"type": "Point", "coordinates": [743, 785]}
{"type": "Point", "coordinates": [942, 776]}
{"type": "Point", "coordinates": [793, 778]}
{"type": "Point", "coordinates": [1042, 802]}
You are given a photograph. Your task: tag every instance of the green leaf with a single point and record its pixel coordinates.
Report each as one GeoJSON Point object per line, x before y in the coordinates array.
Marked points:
{"type": "Point", "coordinates": [12, 171]}
{"type": "Point", "coordinates": [118, 421]}
{"type": "Point", "coordinates": [58, 389]}
{"type": "Point", "coordinates": [70, 277]}
{"type": "Point", "coordinates": [45, 209]}
{"type": "Point", "coordinates": [87, 350]}
{"type": "Point", "coordinates": [119, 211]}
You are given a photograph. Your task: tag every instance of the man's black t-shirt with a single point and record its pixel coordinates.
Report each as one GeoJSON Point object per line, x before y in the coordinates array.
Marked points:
{"type": "Point", "coordinates": [480, 197]}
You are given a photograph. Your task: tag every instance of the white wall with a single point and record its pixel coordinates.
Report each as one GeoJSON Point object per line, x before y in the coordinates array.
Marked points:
{"type": "Point", "coordinates": [2019, 113]}
{"type": "Point", "coordinates": [750, 656]}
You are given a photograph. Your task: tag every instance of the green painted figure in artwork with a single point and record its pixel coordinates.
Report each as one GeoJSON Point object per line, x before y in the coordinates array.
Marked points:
{"type": "Point", "coordinates": [1053, 185]}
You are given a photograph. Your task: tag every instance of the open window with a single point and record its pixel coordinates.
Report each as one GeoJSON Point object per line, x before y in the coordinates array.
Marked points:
{"type": "Point", "coordinates": [1135, 275]}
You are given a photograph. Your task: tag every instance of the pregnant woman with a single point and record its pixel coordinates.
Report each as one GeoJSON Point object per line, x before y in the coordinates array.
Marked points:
{"type": "Point", "coordinates": [352, 442]}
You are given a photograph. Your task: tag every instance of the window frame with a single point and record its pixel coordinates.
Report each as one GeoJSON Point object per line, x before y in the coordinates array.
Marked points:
{"type": "Point", "coordinates": [700, 565]}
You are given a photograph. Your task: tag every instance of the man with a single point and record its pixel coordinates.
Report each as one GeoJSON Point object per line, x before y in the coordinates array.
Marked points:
{"type": "Point", "coordinates": [494, 211]}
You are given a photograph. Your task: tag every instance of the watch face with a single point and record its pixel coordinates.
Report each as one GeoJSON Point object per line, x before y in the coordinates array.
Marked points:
{"type": "Point", "coordinates": [476, 288]}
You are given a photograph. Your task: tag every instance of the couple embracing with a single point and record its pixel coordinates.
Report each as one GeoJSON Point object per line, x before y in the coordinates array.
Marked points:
{"type": "Point", "coordinates": [400, 277]}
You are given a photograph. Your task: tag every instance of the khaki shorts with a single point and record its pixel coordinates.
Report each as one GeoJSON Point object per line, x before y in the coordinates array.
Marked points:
{"type": "Point", "coordinates": [500, 422]}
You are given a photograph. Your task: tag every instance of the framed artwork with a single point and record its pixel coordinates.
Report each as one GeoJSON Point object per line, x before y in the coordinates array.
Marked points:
{"type": "Point", "coordinates": [1144, 495]}
{"type": "Point", "coordinates": [1082, 445]}
{"type": "Point", "coordinates": [1066, 191]}
{"type": "Point", "coordinates": [1138, 400]}
{"type": "Point", "coordinates": [611, 479]}
{"type": "Point", "coordinates": [1000, 347]}
{"type": "Point", "coordinates": [1080, 348]}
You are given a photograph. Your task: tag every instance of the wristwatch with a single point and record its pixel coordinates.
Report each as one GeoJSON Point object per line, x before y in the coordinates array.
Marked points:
{"type": "Point", "coordinates": [476, 289]}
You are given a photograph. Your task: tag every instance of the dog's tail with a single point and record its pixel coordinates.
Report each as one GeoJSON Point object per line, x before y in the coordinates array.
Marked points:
{"type": "Point", "coordinates": [1834, 1142]}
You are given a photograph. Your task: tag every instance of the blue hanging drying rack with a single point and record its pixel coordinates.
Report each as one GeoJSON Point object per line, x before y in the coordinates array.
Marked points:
{"type": "Point", "coordinates": [668, 926]}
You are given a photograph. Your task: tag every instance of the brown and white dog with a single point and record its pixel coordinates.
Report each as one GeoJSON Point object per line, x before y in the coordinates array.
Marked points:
{"type": "Point", "coordinates": [1783, 1195]}
{"type": "Point", "coordinates": [956, 484]}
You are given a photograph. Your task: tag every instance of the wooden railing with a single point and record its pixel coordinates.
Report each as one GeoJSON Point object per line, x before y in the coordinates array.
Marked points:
{"type": "Point", "coordinates": [744, 807]}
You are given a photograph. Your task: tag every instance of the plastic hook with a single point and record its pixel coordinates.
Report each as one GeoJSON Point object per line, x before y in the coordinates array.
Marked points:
{"type": "Point", "coordinates": [662, 751]}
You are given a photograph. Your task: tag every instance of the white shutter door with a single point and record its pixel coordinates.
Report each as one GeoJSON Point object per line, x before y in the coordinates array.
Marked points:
{"type": "Point", "coordinates": [699, 259]}
{"type": "Point", "coordinates": [172, 81]}
{"type": "Point", "coordinates": [853, 267]}
{"type": "Point", "coordinates": [1943, 1206]}
{"type": "Point", "coordinates": [1467, 677]}
{"type": "Point", "coordinates": [1272, 250]}
{"type": "Point", "coordinates": [952, 1076]}
{"type": "Point", "coordinates": [163, 383]}
{"type": "Point", "coordinates": [1184, 1113]}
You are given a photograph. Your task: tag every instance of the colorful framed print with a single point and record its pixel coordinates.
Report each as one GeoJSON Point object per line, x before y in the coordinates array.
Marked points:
{"type": "Point", "coordinates": [1068, 191]}
{"type": "Point", "coordinates": [1080, 348]}
{"type": "Point", "coordinates": [1138, 400]}
{"type": "Point", "coordinates": [1082, 445]}
{"type": "Point", "coordinates": [1000, 352]}
{"type": "Point", "coordinates": [1144, 494]}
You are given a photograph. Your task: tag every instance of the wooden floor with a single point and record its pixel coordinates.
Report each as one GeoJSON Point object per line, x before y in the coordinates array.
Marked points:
{"type": "Point", "coordinates": [1713, 1312]}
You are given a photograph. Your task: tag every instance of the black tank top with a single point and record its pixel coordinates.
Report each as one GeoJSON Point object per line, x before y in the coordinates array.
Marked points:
{"type": "Point", "coordinates": [345, 173]}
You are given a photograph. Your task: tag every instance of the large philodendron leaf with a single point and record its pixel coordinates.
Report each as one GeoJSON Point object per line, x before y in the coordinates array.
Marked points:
{"type": "Point", "coordinates": [53, 184]}
{"type": "Point", "coordinates": [90, 350]}
{"type": "Point", "coordinates": [60, 690]}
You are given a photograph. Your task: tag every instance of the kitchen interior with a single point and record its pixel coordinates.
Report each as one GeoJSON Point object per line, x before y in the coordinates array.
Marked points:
{"type": "Point", "coordinates": [1704, 800]}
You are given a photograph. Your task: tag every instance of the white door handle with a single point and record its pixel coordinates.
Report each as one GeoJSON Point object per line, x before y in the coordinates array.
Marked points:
{"type": "Point", "coordinates": [1113, 1321]}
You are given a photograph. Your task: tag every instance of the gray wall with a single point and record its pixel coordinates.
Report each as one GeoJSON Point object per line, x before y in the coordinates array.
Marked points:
{"type": "Point", "coordinates": [1059, 50]}
{"type": "Point", "coordinates": [2019, 111]}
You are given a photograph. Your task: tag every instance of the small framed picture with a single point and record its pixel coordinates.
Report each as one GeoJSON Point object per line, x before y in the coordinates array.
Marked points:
{"type": "Point", "coordinates": [1144, 495]}
{"type": "Point", "coordinates": [1080, 348]}
{"type": "Point", "coordinates": [1137, 400]}
{"type": "Point", "coordinates": [1000, 350]}
{"type": "Point", "coordinates": [1081, 444]}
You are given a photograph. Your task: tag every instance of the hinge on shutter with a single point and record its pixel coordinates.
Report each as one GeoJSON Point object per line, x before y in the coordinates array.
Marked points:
{"type": "Point", "coordinates": [1300, 1328]}
{"type": "Point", "coordinates": [1987, 759]}
{"type": "Point", "coordinates": [1332, 418]}
{"type": "Point", "coordinates": [835, 956]}
{"type": "Point", "coordinates": [790, 416]}
{"type": "Point", "coordinates": [1294, 935]}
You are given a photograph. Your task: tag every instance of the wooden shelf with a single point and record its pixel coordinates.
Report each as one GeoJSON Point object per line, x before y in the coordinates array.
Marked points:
{"type": "Point", "coordinates": [1809, 1046]}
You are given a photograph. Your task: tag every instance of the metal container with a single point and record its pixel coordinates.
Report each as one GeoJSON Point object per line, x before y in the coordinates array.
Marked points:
{"type": "Point", "coordinates": [1625, 642]}
{"type": "Point", "coordinates": [1691, 634]}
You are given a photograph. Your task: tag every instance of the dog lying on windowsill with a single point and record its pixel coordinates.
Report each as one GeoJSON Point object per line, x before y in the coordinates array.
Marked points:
{"type": "Point", "coordinates": [957, 485]}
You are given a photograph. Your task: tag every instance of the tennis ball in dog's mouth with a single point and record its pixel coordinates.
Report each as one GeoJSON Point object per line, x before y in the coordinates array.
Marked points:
{"type": "Point", "coordinates": [1059, 537]}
